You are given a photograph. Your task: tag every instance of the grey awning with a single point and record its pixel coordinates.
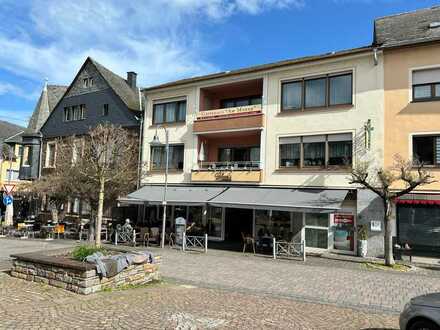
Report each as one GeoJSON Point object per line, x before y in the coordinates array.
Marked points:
{"type": "Point", "coordinates": [181, 195]}
{"type": "Point", "coordinates": [305, 200]}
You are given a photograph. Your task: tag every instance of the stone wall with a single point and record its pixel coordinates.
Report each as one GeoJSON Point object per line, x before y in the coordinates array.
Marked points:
{"type": "Point", "coordinates": [82, 281]}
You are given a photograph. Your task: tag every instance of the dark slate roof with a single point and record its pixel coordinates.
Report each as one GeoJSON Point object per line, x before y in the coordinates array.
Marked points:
{"type": "Point", "coordinates": [49, 98]}
{"type": "Point", "coordinates": [127, 94]}
{"type": "Point", "coordinates": [262, 67]}
{"type": "Point", "coordinates": [16, 138]}
{"type": "Point", "coordinates": [8, 129]}
{"type": "Point", "coordinates": [54, 94]}
{"type": "Point", "coordinates": [407, 28]}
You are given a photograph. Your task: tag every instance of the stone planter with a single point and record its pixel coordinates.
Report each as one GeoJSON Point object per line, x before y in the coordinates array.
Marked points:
{"type": "Point", "coordinates": [362, 248]}
{"type": "Point", "coordinates": [76, 276]}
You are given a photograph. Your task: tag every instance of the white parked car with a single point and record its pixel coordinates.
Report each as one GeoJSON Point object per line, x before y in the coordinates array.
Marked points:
{"type": "Point", "coordinates": [421, 313]}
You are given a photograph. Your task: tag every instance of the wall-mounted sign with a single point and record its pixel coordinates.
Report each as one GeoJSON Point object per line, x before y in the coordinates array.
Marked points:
{"type": "Point", "coordinates": [375, 225]}
{"type": "Point", "coordinates": [228, 111]}
{"type": "Point", "coordinates": [344, 218]}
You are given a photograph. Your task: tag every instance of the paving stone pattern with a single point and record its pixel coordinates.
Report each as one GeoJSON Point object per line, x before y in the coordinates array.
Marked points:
{"type": "Point", "coordinates": [30, 305]}
{"type": "Point", "coordinates": [341, 283]}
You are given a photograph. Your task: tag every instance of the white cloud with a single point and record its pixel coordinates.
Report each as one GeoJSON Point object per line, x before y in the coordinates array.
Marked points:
{"type": "Point", "coordinates": [160, 39]}
{"type": "Point", "coordinates": [8, 88]}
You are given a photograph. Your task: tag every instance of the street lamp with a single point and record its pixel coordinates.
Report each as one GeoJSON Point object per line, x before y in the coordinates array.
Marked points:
{"type": "Point", "coordinates": [155, 143]}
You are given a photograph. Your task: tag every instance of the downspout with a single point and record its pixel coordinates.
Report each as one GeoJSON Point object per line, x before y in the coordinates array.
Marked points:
{"type": "Point", "coordinates": [141, 129]}
{"type": "Point", "coordinates": [375, 56]}
{"type": "Point", "coordinates": [40, 156]}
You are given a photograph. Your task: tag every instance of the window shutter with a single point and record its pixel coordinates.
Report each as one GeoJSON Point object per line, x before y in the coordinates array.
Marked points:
{"type": "Point", "coordinates": [290, 140]}
{"type": "Point", "coordinates": [314, 138]}
{"type": "Point", "coordinates": [340, 137]}
{"type": "Point", "coordinates": [426, 76]}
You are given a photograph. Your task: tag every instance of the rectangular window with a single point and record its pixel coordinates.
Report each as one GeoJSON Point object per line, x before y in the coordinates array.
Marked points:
{"type": "Point", "coordinates": [340, 149]}
{"type": "Point", "coordinates": [317, 230]}
{"type": "Point", "coordinates": [87, 82]}
{"type": "Point", "coordinates": [12, 175]}
{"type": "Point", "coordinates": [170, 112]}
{"type": "Point", "coordinates": [105, 110]}
{"type": "Point", "coordinates": [314, 151]}
{"type": "Point", "coordinates": [50, 154]}
{"type": "Point", "coordinates": [326, 91]}
{"type": "Point", "coordinates": [426, 150]}
{"type": "Point", "coordinates": [340, 89]}
{"type": "Point", "coordinates": [175, 160]}
{"type": "Point", "coordinates": [240, 156]}
{"type": "Point", "coordinates": [76, 112]}
{"type": "Point", "coordinates": [292, 95]}
{"type": "Point", "coordinates": [315, 93]}
{"type": "Point", "coordinates": [325, 151]}
{"type": "Point", "coordinates": [26, 156]}
{"type": "Point", "coordinates": [241, 101]}
{"type": "Point", "coordinates": [426, 84]}
{"type": "Point", "coordinates": [290, 152]}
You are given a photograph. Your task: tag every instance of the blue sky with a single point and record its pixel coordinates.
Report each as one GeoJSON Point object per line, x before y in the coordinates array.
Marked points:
{"type": "Point", "coordinates": [164, 40]}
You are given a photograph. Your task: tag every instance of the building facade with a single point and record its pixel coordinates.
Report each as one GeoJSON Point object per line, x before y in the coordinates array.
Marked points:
{"type": "Point", "coordinates": [279, 141]}
{"type": "Point", "coordinates": [411, 47]}
{"type": "Point", "coordinates": [95, 96]}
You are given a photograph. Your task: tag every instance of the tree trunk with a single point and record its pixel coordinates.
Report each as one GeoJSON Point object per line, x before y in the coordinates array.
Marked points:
{"type": "Point", "coordinates": [389, 259]}
{"type": "Point", "coordinates": [100, 212]}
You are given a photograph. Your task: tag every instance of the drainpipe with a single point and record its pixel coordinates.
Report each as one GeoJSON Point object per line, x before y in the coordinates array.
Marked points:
{"type": "Point", "coordinates": [375, 56]}
{"type": "Point", "coordinates": [40, 156]}
{"type": "Point", "coordinates": [141, 129]}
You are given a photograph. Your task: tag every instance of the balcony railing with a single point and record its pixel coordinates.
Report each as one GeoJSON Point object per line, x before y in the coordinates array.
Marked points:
{"type": "Point", "coordinates": [208, 114]}
{"type": "Point", "coordinates": [229, 166]}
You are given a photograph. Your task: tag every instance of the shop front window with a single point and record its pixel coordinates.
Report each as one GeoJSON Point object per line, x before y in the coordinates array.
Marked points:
{"type": "Point", "coordinates": [195, 223]}
{"type": "Point", "coordinates": [317, 230]}
{"type": "Point", "coordinates": [262, 223]}
{"type": "Point", "coordinates": [215, 219]}
{"type": "Point", "coordinates": [280, 225]}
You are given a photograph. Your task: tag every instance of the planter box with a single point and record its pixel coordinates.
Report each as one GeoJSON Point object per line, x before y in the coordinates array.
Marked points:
{"type": "Point", "coordinates": [76, 276]}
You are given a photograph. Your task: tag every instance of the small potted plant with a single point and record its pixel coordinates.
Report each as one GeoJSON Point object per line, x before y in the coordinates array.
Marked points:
{"type": "Point", "coordinates": [362, 237]}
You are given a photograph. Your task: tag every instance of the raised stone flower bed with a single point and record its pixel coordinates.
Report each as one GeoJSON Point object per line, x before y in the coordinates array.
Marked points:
{"type": "Point", "coordinates": [80, 277]}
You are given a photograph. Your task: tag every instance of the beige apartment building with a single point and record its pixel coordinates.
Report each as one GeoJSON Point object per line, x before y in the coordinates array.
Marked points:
{"type": "Point", "coordinates": [411, 49]}
{"type": "Point", "coordinates": [266, 151]}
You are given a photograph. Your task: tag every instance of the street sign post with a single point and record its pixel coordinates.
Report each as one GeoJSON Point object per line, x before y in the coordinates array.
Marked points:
{"type": "Point", "coordinates": [7, 200]}
{"type": "Point", "coordinates": [9, 188]}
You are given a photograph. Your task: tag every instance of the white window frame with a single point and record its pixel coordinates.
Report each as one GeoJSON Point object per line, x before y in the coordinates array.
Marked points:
{"type": "Point", "coordinates": [46, 161]}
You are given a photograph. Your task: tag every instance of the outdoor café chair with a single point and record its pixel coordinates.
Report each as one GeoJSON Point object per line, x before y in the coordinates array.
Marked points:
{"type": "Point", "coordinates": [248, 240]}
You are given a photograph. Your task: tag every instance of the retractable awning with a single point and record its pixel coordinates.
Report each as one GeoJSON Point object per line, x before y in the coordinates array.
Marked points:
{"type": "Point", "coordinates": [181, 195]}
{"type": "Point", "coordinates": [305, 200]}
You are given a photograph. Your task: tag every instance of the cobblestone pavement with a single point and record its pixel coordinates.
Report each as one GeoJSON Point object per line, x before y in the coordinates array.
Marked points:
{"type": "Point", "coordinates": [28, 305]}
{"type": "Point", "coordinates": [342, 283]}
{"type": "Point", "coordinates": [10, 246]}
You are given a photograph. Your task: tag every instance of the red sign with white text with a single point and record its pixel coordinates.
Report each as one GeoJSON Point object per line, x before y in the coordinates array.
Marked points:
{"type": "Point", "coordinates": [346, 219]}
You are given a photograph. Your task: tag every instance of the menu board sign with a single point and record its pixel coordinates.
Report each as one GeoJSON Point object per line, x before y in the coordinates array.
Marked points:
{"type": "Point", "coordinates": [344, 218]}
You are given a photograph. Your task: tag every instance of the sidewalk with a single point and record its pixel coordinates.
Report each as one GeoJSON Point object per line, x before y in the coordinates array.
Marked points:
{"type": "Point", "coordinates": [342, 282]}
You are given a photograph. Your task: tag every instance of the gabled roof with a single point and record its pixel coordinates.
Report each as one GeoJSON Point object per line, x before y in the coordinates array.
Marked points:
{"type": "Point", "coordinates": [49, 98]}
{"type": "Point", "coordinates": [8, 129]}
{"type": "Point", "coordinates": [119, 85]}
{"type": "Point", "coordinates": [408, 28]}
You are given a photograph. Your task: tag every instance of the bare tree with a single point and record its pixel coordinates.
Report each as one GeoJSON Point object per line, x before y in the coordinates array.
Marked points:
{"type": "Point", "coordinates": [106, 169]}
{"type": "Point", "coordinates": [384, 182]}
{"type": "Point", "coordinates": [98, 168]}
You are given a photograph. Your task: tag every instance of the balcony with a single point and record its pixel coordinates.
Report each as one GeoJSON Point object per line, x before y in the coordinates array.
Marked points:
{"type": "Point", "coordinates": [234, 106]}
{"type": "Point", "coordinates": [228, 157]}
{"type": "Point", "coordinates": [227, 172]}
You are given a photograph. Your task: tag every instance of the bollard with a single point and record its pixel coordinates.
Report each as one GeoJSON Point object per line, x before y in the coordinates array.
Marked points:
{"type": "Point", "coordinates": [206, 243]}
{"type": "Point", "coordinates": [274, 242]}
{"type": "Point", "coordinates": [183, 241]}
{"type": "Point", "coordinates": [134, 237]}
{"type": "Point", "coordinates": [116, 237]}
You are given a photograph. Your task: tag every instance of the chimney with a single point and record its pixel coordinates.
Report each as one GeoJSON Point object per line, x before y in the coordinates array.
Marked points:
{"type": "Point", "coordinates": [131, 79]}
